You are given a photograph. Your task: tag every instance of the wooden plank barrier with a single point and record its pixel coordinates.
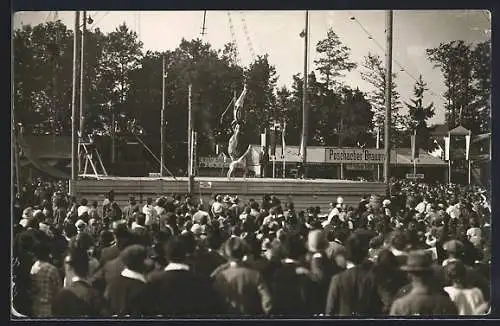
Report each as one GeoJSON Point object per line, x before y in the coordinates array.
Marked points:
{"type": "Point", "coordinates": [303, 193]}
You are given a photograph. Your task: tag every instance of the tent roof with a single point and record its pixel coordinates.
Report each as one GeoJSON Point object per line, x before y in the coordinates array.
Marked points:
{"type": "Point", "coordinates": [49, 147]}
{"type": "Point", "coordinates": [459, 131]}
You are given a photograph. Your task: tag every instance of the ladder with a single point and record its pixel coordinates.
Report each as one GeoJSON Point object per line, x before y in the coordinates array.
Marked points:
{"type": "Point", "coordinates": [93, 159]}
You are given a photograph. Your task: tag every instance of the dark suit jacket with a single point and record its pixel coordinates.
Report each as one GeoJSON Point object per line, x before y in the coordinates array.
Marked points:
{"type": "Point", "coordinates": [322, 270]}
{"type": "Point", "coordinates": [354, 292]}
{"type": "Point", "coordinates": [79, 300]}
{"type": "Point", "coordinates": [128, 296]}
{"type": "Point", "coordinates": [292, 289]}
{"type": "Point", "coordinates": [243, 289]}
{"type": "Point", "coordinates": [107, 273]}
{"type": "Point", "coordinates": [180, 293]}
{"type": "Point", "coordinates": [424, 301]}
{"type": "Point", "coordinates": [206, 261]}
{"type": "Point", "coordinates": [109, 253]}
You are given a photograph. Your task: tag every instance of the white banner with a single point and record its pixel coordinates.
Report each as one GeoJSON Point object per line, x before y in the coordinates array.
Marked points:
{"type": "Point", "coordinates": [283, 146]}
{"type": "Point", "coordinates": [447, 148]}
{"type": "Point", "coordinates": [467, 146]}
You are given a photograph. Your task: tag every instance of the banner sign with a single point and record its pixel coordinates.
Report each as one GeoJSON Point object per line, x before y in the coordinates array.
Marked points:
{"type": "Point", "coordinates": [355, 155]}
{"type": "Point", "coordinates": [205, 184]}
{"type": "Point", "coordinates": [213, 162]}
{"type": "Point", "coordinates": [415, 176]}
{"type": "Point", "coordinates": [360, 167]}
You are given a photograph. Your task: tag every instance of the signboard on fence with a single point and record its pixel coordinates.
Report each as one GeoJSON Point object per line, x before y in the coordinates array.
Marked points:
{"type": "Point", "coordinates": [356, 155]}
{"type": "Point", "coordinates": [360, 167]}
{"type": "Point", "coordinates": [415, 176]}
{"type": "Point", "coordinates": [213, 162]}
{"type": "Point", "coordinates": [205, 184]}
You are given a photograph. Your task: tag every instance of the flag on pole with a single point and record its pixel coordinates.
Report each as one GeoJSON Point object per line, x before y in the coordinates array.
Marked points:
{"type": "Point", "coordinates": [263, 140]}
{"type": "Point", "coordinates": [467, 146]}
{"type": "Point", "coordinates": [283, 146]}
{"type": "Point", "coordinates": [273, 140]}
{"type": "Point", "coordinates": [447, 148]}
{"type": "Point", "coordinates": [414, 147]}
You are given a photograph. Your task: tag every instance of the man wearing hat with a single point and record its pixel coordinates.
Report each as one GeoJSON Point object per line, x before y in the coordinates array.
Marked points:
{"type": "Point", "coordinates": [454, 250]}
{"type": "Point", "coordinates": [425, 298]}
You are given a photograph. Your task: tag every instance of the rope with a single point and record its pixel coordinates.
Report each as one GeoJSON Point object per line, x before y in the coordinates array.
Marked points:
{"type": "Point", "coordinates": [247, 36]}
{"type": "Point", "coordinates": [403, 69]}
{"type": "Point", "coordinates": [233, 36]}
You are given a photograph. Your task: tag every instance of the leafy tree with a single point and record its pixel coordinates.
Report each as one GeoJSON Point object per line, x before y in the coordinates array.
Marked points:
{"type": "Point", "coordinates": [374, 73]}
{"type": "Point", "coordinates": [456, 63]}
{"type": "Point", "coordinates": [122, 55]}
{"type": "Point", "coordinates": [418, 114]}
{"type": "Point", "coordinates": [482, 85]}
{"type": "Point", "coordinates": [355, 118]}
{"type": "Point", "coordinates": [333, 59]}
{"type": "Point", "coordinates": [260, 103]}
{"type": "Point", "coordinates": [42, 76]}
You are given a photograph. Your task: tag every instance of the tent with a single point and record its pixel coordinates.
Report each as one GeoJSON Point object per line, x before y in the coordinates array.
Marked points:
{"type": "Point", "coordinates": [459, 131]}
{"type": "Point", "coordinates": [34, 160]}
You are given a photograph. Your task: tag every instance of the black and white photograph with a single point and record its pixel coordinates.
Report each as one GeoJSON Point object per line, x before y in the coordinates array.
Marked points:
{"type": "Point", "coordinates": [269, 164]}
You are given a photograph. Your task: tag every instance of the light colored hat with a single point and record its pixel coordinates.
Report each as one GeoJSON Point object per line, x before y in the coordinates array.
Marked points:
{"type": "Point", "coordinates": [197, 229]}
{"type": "Point", "coordinates": [340, 200]}
{"type": "Point", "coordinates": [316, 241]}
{"type": "Point", "coordinates": [28, 212]}
{"type": "Point", "coordinates": [80, 224]}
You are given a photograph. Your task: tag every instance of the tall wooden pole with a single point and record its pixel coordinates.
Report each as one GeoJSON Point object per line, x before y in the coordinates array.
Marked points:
{"type": "Point", "coordinates": [190, 130]}
{"type": "Point", "coordinates": [162, 128]}
{"type": "Point", "coordinates": [82, 75]}
{"type": "Point", "coordinates": [305, 125]}
{"type": "Point", "coordinates": [74, 138]}
{"type": "Point", "coordinates": [388, 84]}
{"type": "Point", "coordinates": [82, 89]}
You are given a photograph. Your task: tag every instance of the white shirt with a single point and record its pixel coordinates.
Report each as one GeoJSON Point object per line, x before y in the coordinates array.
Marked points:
{"type": "Point", "coordinates": [468, 301]}
{"type": "Point", "coordinates": [177, 267]}
{"type": "Point", "coordinates": [128, 273]}
{"type": "Point", "coordinates": [83, 209]}
{"type": "Point", "coordinates": [421, 207]}
{"type": "Point", "coordinates": [151, 214]}
{"type": "Point", "coordinates": [159, 210]}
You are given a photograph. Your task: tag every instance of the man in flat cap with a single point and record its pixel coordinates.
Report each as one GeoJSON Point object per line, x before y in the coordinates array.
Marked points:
{"type": "Point", "coordinates": [425, 298]}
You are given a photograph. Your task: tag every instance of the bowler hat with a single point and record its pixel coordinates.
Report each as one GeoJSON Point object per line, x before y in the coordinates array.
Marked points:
{"type": "Point", "coordinates": [418, 261]}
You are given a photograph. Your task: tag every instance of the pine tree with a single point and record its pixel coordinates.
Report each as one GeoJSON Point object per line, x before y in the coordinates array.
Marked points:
{"type": "Point", "coordinates": [418, 114]}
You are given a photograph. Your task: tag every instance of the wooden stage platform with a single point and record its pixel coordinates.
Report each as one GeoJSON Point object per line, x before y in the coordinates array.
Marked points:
{"type": "Point", "coordinates": [303, 192]}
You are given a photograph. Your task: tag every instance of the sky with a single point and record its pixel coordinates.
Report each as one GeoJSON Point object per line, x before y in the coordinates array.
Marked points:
{"type": "Point", "coordinates": [277, 34]}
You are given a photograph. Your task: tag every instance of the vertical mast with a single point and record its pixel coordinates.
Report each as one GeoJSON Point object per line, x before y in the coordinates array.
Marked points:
{"type": "Point", "coordinates": [388, 97]}
{"type": "Point", "coordinates": [303, 145]}
{"type": "Point", "coordinates": [82, 89]}
{"type": "Point", "coordinates": [162, 128]}
{"type": "Point", "coordinates": [74, 139]}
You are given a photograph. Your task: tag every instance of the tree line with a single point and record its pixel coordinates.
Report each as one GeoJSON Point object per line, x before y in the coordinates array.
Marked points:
{"type": "Point", "coordinates": [123, 83]}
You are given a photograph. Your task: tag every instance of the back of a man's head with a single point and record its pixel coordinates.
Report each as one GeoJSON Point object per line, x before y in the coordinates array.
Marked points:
{"type": "Point", "coordinates": [234, 248]}
{"type": "Point", "coordinates": [176, 250]}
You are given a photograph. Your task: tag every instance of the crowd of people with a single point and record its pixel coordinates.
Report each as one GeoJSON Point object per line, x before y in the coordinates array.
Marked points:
{"type": "Point", "coordinates": [423, 250]}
